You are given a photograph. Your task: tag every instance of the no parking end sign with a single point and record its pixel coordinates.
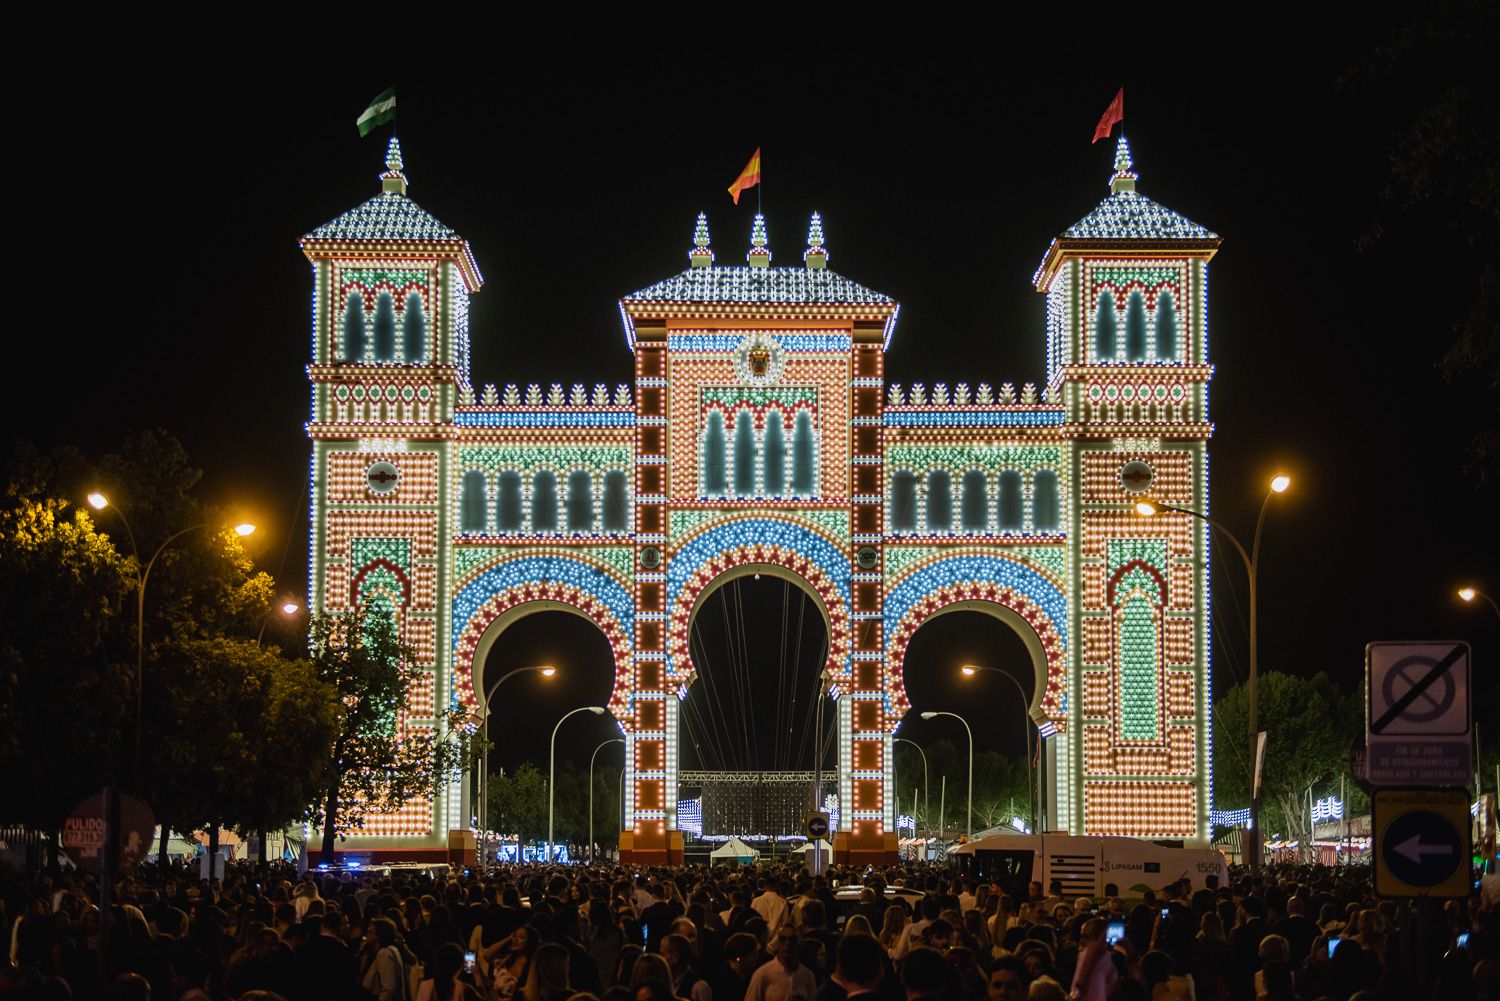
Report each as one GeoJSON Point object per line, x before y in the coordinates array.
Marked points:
{"type": "Point", "coordinates": [1419, 720]}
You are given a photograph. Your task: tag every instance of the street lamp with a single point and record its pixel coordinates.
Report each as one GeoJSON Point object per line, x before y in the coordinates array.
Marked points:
{"type": "Point", "coordinates": [288, 609]}
{"type": "Point", "coordinates": [934, 715]}
{"type": "Point", "coordinates": [925, 800]}
{"type": "Point", "coordinates": [617, 740]}
{"type": "Point", "coordinates": [969, 671]}
{"type": "Point", "coordinates": [546, 671]}
{"type": "Point", "coordinates": [1468, 594]}
{"type": "Point", "coordinates": [552, 769]}
{"type": "Point", "coordinates": [1279, 485]}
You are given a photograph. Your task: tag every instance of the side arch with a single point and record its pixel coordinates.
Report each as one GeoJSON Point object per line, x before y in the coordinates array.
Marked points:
{"type": "Point", "coordinates": [504, 592]}
{"type": "Point", "coordinates": [1013, 592]}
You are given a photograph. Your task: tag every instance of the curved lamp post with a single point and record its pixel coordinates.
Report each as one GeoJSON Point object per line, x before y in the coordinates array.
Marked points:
{"type": "Point", "coordinates": [913, 743]}
{"type": "Point", "coordinates": [1468, 594]}
{"type": "Point", "coordinates": [969, 671]}
{"type": "Point", "coordinates": [617, 740]}
{"type": "Point", "coordinates": [1251, 559]}
{"type": "Point", "coordinates": [288, 609]}
{"type": "Point", "coordinates": [546, 671]}
{"type": "Point", "coordinates": [552, 769]}
{"type": "Point", "coordinates": [934, 715]}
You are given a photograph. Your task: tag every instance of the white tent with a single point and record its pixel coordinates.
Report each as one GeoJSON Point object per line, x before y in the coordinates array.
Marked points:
{"type": "Point", "coordinates": [810, 862]}
{"type": "Point", "coordinates": [735, 852]}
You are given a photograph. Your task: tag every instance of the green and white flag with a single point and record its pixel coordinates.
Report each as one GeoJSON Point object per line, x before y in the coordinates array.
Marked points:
{"type": "Point", "coordinates": [380, 111]}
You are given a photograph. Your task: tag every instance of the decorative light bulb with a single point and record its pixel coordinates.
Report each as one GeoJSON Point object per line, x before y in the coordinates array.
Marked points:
{"type": "Point", "coordinates": [290, 608]}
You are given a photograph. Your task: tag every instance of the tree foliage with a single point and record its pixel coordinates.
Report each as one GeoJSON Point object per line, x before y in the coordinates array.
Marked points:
{"type": "Point", "coordinates": [1310, 725]}
{"type": "Point", "coordinates": [65, 672]}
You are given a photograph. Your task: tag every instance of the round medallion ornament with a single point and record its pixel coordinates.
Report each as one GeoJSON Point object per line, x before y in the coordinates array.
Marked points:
{"type": "Point", "coordinates": [650, 557]}
{"type": "Point", "coordinates": [759, 360]}
{"type": "Point", "coordinates": [382, 477]}
{"type": "Point", "coordinates": [867, 558]}
{"type": "Point", "coordinates": [1136, 477]}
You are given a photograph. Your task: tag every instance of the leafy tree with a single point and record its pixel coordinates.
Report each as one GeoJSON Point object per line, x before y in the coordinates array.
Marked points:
{"type": "Point", "coordinates": [378, 763]}
{"type": "Point", "coordinates": [1002, 789]}
{"type": "Point", "coordinates": [65, 672]}
{"type": "Point", "coordinates": [519, 802]}
{"type": "Point", "coordinates": [1310, 725]}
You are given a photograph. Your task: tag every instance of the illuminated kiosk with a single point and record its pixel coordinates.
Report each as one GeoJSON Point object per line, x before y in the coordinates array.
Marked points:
{"type": "Point", "coordinates": [760, 435]}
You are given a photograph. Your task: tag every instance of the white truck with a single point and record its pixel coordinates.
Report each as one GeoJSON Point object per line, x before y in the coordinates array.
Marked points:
{"type": "Point", "coordinates": [1085, 866]}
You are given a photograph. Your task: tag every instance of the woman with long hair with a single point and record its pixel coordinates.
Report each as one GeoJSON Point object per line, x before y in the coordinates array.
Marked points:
{"type": "Point", "coordinates": [444, 984]}
{"type": "Point", "coordinates": [547, 977]}
{"type": "Point", "coordinates": [890, 931]}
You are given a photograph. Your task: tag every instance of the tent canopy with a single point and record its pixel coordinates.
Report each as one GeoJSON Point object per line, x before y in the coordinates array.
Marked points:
{"type": "Point", "coordinates": [734, 848]}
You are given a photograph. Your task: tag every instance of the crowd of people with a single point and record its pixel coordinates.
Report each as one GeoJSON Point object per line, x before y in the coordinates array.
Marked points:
{"type": "Point", "coordinates": [765, 933]}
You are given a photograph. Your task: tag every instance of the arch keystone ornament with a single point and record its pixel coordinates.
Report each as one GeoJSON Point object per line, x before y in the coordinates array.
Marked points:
{"type": "Point", "coordinates": [761, 436]}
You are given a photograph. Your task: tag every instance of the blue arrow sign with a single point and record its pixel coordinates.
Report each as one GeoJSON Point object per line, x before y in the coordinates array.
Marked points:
{"type": "Point", "coordinates": [1422, 849]}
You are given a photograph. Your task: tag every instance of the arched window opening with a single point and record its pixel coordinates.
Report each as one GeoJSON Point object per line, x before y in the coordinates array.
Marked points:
{"type": "Point", "coordinates": [384, 327]}
{"type": "Point", "coordinates": [580, 501]}
{"type": "Point", "coordinates": [1166, 326]}
{"type": "Point", "coordinates": [1104, 327]}
{"type": "Point", "coordinates": [544, 501]}
{"type": "Point", "coordinates": [1046, 506]}
{"type": "Point", "coordinates": [1012, 515]}
{"type": "Point", "coordinates": [472, 502]}
{"type": "Point", "coordinates": [903, 501]}
{"type": "Point", "coordinates": [508, 502]}
{"type": "Point", "coordinates": [939, 501]}
{"type": "Point", "coordinates": [715, 477]}
{"type": "Point", "coordinates": [744, 454]}
{"type": "Point", "coordinates": [1137, 639]}
{"type": "Point", "coordinates": [804, 463]}
{"type": "Point", "coordinates": [354, 327]}
{"type": "Point", "coordinates": [616, 510]}
{"type": "Point", "coordinates": [974, 508]}
{"type": "Point", "coordinates": [774, 449]}
{"type": "Point", "coordinates": [414, 331]}
{"type": "Point", "coordinates": [1135, 327]}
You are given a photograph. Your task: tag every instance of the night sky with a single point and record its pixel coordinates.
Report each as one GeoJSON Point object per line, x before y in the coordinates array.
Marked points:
{"type": "Point", "coordinates": [174, 236]}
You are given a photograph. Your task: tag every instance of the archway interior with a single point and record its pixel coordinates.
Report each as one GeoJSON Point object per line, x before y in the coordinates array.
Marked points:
{"type": "Point", "coordinates": [526, 707]}
{"type": "Point", "coordinates": [1004, 735]}
{"type": "Point", "coordinates": [759, 644]}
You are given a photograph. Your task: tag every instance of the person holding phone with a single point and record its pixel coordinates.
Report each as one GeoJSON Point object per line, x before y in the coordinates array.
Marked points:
{"type": "Point", "coordinates": [1096, 970]}
{"type": "Point", "coordinates": [449, 964]}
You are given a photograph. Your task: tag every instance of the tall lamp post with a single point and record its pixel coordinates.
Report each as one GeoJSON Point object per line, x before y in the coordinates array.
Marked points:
{"type": "Point", "coordinates": [546, 671]}
{"type": "Point", "coordinates": [552, 769]}
{"type": "Point", "coordinates": [617, 740]}
{"type": "Point", "coordinates": [1468, 594]}
{"type": "Point", "coordinates": [934, 715]}
{"type": "Point", "coordinates": [913, 743]}
{"type": "Point", "coordinates": [969, 671]}
{"type": "Point", "coordinates": [99, 502]}
{"type": "Point", "coordinates": [288, 609]}
{"type": "Point", "coordinates": [1251, 559]}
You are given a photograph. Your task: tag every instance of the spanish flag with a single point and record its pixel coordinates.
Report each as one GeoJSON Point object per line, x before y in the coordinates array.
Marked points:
{"type": "Point", "coordinates": [749, 177]}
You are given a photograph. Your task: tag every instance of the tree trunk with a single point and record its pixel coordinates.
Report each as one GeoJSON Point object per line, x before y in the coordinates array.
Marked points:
{"type": "Point", "coordinates": [161, 850]}
{"type": "Point", "coordinates": [329, 816]}
{"type": "Point", "coordinates": [265, 860]}
{"type": "Point", "coordinates": [213, 851]}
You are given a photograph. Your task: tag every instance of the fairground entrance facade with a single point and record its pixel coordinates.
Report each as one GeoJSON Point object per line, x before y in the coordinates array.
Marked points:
{"type": "Point", "coordinates": [758, 433]}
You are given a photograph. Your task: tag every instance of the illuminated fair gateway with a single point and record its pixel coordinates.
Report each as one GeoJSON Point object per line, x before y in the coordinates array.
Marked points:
{"type": "Point", "coordinates": [759, 434]}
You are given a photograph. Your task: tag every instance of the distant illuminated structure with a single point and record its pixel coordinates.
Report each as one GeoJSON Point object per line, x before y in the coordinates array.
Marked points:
{"type": "Point", "coordinates": [760, 435]}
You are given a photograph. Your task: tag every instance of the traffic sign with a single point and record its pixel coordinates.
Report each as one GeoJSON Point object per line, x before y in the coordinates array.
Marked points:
{"type": "Point", "coordinates": [817, 826]}
{"type": "Point", "coordinates": [1419, 715]}
{"type": "Point", "coordinates": [1421, 842]}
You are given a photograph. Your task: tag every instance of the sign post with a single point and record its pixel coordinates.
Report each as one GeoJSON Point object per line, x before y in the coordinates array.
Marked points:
{"type": "Point", "coordinates": [1421, 842]}
{"type": "Point", "coordinates": [817, 831]}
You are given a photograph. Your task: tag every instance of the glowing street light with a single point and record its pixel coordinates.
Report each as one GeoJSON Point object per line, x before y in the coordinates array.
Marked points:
{"type": "Point", "coordinates": [546, 671]}
{"type": "Point", "coordinates": [98, 501]}
{"type": "Point", "coordinates": [934, 715]}
{"type": "Point", "coordinates": [1280, 483]}
{"type": "Point", "coordinates": [290, 608]}
{"type": "Point", "coordinates": [244, 529]}
{"type": "Point", "coordinates": [1468, 594]}
{"type": "Point", "coordinates": [552, 768]}
{"type": "Point", "coordinates": [969, 671]}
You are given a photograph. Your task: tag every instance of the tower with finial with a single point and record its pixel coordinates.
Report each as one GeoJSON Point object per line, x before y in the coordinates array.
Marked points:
{"type": "Point", "coordinates": [393, 181]}
{"type": "Point", "coordinates": [702, 255]}
{"type": "Point", "coordinates": [815, 256]}
{"type": "Point", "coordinates": [759, 256]}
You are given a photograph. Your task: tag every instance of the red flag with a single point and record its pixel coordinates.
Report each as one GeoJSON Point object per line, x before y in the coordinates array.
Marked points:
{"type": "Point", "coordinates": [749, 177]}
{"type": "Point", "coordinates": [1112, 114]}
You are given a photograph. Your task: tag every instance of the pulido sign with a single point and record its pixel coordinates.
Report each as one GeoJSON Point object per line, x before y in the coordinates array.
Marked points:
{"type": "Point", "coordinates": [83, 832]}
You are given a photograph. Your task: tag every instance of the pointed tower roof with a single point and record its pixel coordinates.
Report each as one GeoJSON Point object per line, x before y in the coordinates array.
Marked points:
{"type": "Point", "coordinates": [1128, 220]}
{"type": "Point", "coordinates": [702, 255]}
{"type": "Point", "coordinates": [815, 256]}
{"type": "Point", "coordinates": [392, 217]}
{"type": "Point", "coordinates": [759, 256]}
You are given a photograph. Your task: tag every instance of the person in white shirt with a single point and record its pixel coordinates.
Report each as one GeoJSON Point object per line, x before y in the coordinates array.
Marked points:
{"type": "Point", "coordinates": [912, 934]}
{"type": "Point", "coordinates": [783, 978]}
{"type": "Point", "coordinates": [771, 906]}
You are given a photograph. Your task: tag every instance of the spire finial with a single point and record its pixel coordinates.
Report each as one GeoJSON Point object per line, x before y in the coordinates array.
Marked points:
{"type": "Point", "coordinates": [759, 256]}
{"type": "Point", "coordinates": [815, 256]}
{"type": "Point", "coordinates": [1124, 178]}
{"type": "Point", "coordinates": [393, 180]}
{"type": "Point", "coordinates": [701, 256]}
